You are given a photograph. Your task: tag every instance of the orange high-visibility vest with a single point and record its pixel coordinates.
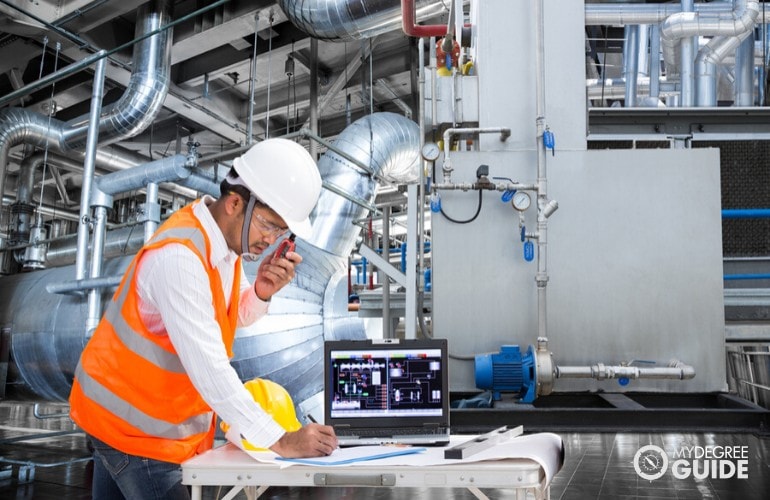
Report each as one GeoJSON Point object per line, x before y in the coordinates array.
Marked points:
{"type": "Point", "coordinates": [130, 389]}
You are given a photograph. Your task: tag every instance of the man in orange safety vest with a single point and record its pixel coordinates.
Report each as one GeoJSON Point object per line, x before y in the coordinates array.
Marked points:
{"type": "Point", "coordinates": [156, 369]}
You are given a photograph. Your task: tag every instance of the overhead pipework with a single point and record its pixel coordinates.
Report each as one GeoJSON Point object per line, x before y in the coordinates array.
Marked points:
{"type": "Point", "coordinates": [347, 20]}
{"type": "Point", "coordinates": [133, 112]}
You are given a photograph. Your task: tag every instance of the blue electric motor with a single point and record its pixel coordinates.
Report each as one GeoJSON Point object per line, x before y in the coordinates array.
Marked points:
{"type": "Point", "coordinates": [508, 371]}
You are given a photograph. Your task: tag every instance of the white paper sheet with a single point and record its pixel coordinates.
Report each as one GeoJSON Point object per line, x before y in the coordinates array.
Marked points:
{"type": "Point", "coordinates": [544, 448]}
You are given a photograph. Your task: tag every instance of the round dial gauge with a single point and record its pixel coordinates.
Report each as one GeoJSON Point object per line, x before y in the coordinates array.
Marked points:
{"type": "Point", "coordinates": [430, 151]}
{"type": "Point", "coordinates": [521, 200]}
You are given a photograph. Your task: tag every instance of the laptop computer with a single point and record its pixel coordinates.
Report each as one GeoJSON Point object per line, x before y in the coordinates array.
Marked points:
{"type": "Point", "coordinates": [387, 391]}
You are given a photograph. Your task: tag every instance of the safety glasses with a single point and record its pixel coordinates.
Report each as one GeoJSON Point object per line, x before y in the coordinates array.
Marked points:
{"type": "Point", "coordinates": [268, 228]}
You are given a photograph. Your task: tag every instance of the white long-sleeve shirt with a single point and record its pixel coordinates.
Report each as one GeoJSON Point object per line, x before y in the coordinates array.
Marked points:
{"type": "Point", "coordinates": [175, 296]}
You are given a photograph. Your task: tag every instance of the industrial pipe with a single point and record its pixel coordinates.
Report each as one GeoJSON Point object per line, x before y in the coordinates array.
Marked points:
{"type": "Point", "coordinates": [543, 204]}
{"type": "Point", "coordinates": [76, 286]}
{"type": "Point", "coordinates": [88, 61]}
{"type": "Point", "coordinates": [89, 166]}
{"type": "Point", "coordinates": [348, 20]}
{"type": "Point", "coordinates": [410, 26]}
{"type": "Point", "coordinates": [675, 370]}
{"type": "Point", "coordinates": [167, 169]}
{"type": "Point", "coordinates": [746, 213]}
{"type": "Point", "coordinates": [504, 132]}
{"type": "Point", "coordinates": [603, 14]}
{"type": "Point", "coordinates": [97, 261]}
{"type": "Point", "coordinates": [685, 25]}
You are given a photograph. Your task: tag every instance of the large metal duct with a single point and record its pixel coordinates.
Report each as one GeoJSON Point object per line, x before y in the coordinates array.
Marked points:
{"type": "Point", "coordinates": [47, 334]}
{"type": "Point", "coordinates": [140, 103]}
{"type": "Point", "coordinates": [285, 346]}
{"type": "Point", "coordinates": [388, 143]}
{"type": "Point", "coordinates": [346, 20]}
{"type": "Point", "coordinates": [706, 64]}
{"type": "Point", "coordinates": [626, 14]}
{"type": "Point", "coordinates": [688, 24]}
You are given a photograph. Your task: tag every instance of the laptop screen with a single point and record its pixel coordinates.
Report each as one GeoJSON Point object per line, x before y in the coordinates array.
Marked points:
{"type": "Point", "coordinates": [386, 379]}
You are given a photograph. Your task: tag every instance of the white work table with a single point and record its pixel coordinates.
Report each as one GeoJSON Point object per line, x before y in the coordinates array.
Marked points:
{"type": "Point", "coordinates": [230, 466]}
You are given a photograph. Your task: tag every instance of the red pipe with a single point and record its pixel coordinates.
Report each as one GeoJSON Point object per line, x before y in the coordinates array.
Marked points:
{"type": "Point", "coordinates": [413, 29]}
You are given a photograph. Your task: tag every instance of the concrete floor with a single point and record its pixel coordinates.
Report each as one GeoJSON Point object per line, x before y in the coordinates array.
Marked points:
{"type": "Point", "coordinates": [597, 466]}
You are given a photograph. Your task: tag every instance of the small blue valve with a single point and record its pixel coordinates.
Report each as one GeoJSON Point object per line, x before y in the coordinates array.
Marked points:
{"type": "Point", "coordinates": [523, 233]}
{"type": "Point", "coordinates": [529, 251]}
{"type": "Point", "coordinates": [623, 381]}
{"type": "Point", "coordinates": [548, 140]}
{"type": "Point", "coordinates": [435, 202]}
{"type": "Point", "coordinates": [508, 193]}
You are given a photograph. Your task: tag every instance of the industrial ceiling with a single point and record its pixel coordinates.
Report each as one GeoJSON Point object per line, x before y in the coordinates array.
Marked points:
{"type": "Point", "coordinates": [213, 46]}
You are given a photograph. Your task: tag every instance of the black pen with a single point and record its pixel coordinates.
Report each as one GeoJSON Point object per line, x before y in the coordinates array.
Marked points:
{"type": "Point", "coordinates": [310, 417]}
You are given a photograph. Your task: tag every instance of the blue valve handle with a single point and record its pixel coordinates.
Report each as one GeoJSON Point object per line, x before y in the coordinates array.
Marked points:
{"type": "Point", "coordinates": [508, 193]}
{"type": "Point", "coordinates": [435, 202]}
{"type": "Point", "coordinates": [529, 251]}
{"type": "Point", "coordinates": [549, 141]}
{"type": "Point", "coordinates": [523, 233]}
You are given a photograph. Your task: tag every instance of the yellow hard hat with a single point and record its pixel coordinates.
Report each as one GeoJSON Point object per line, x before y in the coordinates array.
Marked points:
{"type": "Point", "coordinates": [276, 402]}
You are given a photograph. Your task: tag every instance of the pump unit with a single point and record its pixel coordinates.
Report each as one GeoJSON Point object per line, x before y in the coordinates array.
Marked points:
{"type": "Point", "coordinates": [508, 371]}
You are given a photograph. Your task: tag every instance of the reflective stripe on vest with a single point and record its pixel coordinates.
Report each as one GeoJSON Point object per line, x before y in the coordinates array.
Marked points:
{"type": "Point", "coordinates": [140, 345]}
{"type": "Point", "coordinates": [96, 391]}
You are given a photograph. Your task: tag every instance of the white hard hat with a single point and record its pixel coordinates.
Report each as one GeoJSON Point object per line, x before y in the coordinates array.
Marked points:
{"type": "Point", "coordinates": [283, 175]}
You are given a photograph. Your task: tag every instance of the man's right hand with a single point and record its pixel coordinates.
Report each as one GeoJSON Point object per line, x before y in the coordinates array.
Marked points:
{"type": "Point", "coordinates": [312, 440]}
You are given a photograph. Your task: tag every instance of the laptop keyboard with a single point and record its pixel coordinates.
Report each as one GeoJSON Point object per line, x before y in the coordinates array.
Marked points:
{"type": "Point", "coordinates": [379, 432]}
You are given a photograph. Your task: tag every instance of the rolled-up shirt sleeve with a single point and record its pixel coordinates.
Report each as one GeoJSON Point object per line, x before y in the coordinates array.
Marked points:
{"type": "Point", "coordinates": [250, 307]}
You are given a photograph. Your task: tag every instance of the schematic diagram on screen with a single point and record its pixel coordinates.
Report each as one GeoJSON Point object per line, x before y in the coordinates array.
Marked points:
{"type": "Point", "coordinates": [391, 383]}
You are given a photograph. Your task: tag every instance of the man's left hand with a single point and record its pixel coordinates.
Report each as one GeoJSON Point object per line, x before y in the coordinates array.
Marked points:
{"type": "Point", "coordinates": [275, 273]}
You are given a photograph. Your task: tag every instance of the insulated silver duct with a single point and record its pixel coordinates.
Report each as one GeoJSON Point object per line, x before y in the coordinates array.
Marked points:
{"type": "Point", "coordinates": [347, 20]}
{"type": "Point", "coordinates": [145, 93]}
{"type": "Point", "coordinates": [47, 334]}
{"type": "Point", "coordinates": [706, 66]}
{"type": "Point", "coordinates": [688, 24]}
{"type": "Point", "coordinates": [389, 144]}
{"type": "Point", "coordinates": [286, 345]}
{"type": "Point", "coordinates": [625, 14]}
{"type": "Point", "coordinates": [122, 241]}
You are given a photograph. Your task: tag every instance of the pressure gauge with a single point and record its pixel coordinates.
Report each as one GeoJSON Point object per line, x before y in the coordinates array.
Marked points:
{"type": "Point", "coordinates": [521, 201]}
{"type": "Point", "coordinates": [430, 151]}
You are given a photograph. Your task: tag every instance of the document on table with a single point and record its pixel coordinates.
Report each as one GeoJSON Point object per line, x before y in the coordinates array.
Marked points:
{"type": "Point", "coordinates": [545, 448]}
{"type": "Point", "coordinates": [356, 454]}
{"type": "Point", "coordinates": [340, 456]}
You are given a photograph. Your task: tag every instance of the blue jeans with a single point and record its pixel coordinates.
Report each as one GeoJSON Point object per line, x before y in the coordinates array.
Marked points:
{"type": "Point", "coordinates": [119, 475]}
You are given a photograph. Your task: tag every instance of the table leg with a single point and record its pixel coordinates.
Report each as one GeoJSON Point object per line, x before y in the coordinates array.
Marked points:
{"type": "Point", "coordinates": [477, 493]}
{"type": "Point", "coordinates": [196, 492]}
{"type": "Point", "coordinates": [231, 494]}
{"type": "Point", "coordinates": [254, 492]}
